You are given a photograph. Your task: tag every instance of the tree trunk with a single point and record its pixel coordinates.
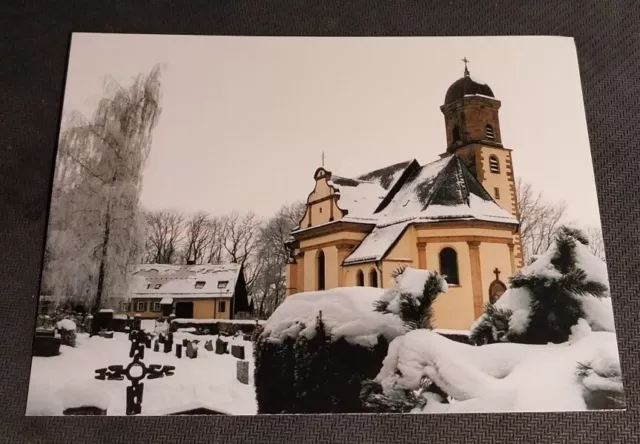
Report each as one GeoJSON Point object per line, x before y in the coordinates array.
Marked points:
{"type": "Point", "coordinates": [103, 257]}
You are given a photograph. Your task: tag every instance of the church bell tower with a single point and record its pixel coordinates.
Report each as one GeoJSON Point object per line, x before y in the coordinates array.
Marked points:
{"type": "Point", "coordinates": [472, 125]}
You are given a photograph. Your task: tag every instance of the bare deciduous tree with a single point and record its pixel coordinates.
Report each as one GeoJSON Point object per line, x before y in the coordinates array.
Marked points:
{"type": "Point", "coordinates": [539, 219]}
{"type": "Point", "coordinates": [596, 242]}
{"type": "Point", "coordinates": [239, 238]}
{"type": "Point", "coordinates": [270, 288]}
{"type": "Point", "coordinates": [197, 237]}
{"type": "Point", "coordinates": [164, 234]}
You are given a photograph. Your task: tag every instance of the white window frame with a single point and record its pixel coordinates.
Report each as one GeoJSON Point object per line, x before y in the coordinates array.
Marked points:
{"type": "Point", "coordinates": [138, 303]}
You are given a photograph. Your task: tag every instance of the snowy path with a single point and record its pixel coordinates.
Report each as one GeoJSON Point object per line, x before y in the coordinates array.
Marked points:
{"type": "Point", "coordinates": [209, 380]}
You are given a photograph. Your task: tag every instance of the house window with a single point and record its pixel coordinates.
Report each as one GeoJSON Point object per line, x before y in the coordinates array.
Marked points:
{"type": "Point", "coordinates": [456, 133]}
{"type": "Point", "coordinates": [494, 164]}
{"type": "Point", "coordinates": [156, 307]}
{"type": "Point", "coordinates": [125, 306]}
{"type": "Point", "coordinates": [141, 306]}
{"type": "Point", "coordinates": [320, 268]}
{"type": "Point", "coordinates": [223, 284]}
{"type": "Point", "coordinates": [200, 284]}
{"type": "Point", "coordinates": [496, 192]}
{"type": "Point", "coordinates": [222, 306]}
{"type": "Point", "coordinates": [360, 278]}
{"type": "Point", "coordinates": [157, 286]}
{"type": "Point", "coordinates": [488, 131]}
{"type": "Point", "coordinates": [320, 209]}
{"type": "Point", "coordinates": [373, 278]}
{"type": "Point", "coordinates": [449, 265]}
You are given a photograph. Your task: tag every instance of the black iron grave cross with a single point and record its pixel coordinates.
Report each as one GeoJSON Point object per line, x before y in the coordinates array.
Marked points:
{"type": "Point", "coordinates": [135, 372]}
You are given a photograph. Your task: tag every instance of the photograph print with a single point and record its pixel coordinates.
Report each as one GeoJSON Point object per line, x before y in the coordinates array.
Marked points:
{"type": "Point", "coordinates": [271, 225]}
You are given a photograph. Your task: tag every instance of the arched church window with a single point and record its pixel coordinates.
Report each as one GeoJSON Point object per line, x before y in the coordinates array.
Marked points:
{"type": "Point", "coordinates": [456, 133]}
{"type": "Point", "coordinates": [360, 278]}
{"type": "Point", "coordinates": [373, 278]}
{"type": "Point", "coordinates": [488, 131]}
{"type": "Point", "coordinates": [449, 265]}
{"type": "Point", "coordinates": [320, 269]}
{"type": "Point", "coordinates": [494, 164]}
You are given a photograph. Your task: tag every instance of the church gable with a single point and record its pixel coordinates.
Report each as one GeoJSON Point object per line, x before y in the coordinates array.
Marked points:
{"type": "Point", "coordinates": [321, 202]}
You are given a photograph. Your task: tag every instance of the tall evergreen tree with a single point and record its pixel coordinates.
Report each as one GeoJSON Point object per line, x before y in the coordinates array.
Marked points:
{"type": "Point", "coordinates": [554, 290]}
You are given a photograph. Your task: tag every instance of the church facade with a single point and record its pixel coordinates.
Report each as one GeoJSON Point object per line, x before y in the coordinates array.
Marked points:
{"type": "Point", "coordinates": [457, 215]}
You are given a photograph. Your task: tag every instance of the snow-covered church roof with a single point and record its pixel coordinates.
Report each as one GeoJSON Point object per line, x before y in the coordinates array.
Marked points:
{"type": "Point", "coordinates": [395, 196]}
{"type": "Point", "coordinates": [186, 281]}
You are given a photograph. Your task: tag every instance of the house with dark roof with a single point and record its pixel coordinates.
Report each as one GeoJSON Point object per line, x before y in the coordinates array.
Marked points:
{"type": "Point", "coordinates": [457, 215]}
{"type": "Point", "coordinates": [194, 291]}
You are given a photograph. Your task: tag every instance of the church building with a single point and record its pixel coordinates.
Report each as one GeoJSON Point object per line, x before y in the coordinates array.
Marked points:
{"type": "Point", "coordinates": [457, 215]}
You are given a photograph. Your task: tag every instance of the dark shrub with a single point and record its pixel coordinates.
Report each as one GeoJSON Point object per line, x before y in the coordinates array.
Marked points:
{"type": "Point", "coordinates": [314, 375]}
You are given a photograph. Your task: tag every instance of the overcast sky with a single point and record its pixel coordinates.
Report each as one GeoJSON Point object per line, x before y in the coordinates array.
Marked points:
{"type": "Point", "coordinates": [245, 119]}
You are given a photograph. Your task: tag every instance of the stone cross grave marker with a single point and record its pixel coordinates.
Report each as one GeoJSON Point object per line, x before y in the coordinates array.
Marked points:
{"type": "Point", "coordinates": [135, 372]}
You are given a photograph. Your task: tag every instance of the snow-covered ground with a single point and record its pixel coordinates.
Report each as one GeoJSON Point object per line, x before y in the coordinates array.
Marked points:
{"type": "Point", "coordinates": [209, 380]}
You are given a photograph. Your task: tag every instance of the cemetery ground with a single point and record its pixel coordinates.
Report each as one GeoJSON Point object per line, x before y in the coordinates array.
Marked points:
{"type": "Point", "coordinates": [206, 381]}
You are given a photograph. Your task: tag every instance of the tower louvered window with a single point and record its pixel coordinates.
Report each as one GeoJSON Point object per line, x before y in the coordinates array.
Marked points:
{"type": "Point", "coordinates": [488, 131]}
{"type": "Point", "coordinates": [494, 164]}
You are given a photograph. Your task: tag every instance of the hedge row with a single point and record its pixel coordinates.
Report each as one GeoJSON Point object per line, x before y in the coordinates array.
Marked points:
{"type": "Point", "coordinates": [314, 375]}
{"type": "Point", "coordinates": [214, 328]}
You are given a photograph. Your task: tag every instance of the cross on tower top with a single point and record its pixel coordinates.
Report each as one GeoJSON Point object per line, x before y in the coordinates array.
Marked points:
{"type": "Point", "coordinates": [497, 272]}
{"type": "Point", "coordinates": [466, 70]}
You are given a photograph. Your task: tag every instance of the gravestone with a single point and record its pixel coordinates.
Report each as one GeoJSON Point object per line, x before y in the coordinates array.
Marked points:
{"type": "Point", "coordinates": [242, 371]}
{"type": "Point", "coordinates": [192, 350]}
{"type": "Point", "coordinates": [46, 346]}
{"type": "Point", "coordinates": [185, 342]}
{"type": "Point", "coordinates": [147, 342]}
{"type": "Point", "coordinates": [246, 337]}
{"type": "Point", "coordinates": [168, 346]}
{"type": "Point", "coordinates": [237, 351]}
{"type": "Point", "coordinates": [208, 345]}
{"type": "Point", "coordinates": [221, 347]}
{"type": "Point", "coordinates": [161, 338]}
{"type": "Point", "coordinates": [178, 350]}
{"type": "Point", "coordinates": [102, 321]}
{"type": "Point", "coordinates": [156, 346]}
{"type": "Point", "coordinates": [137, 322]}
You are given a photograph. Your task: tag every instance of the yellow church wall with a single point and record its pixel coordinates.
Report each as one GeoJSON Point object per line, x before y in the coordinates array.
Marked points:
{"type": "Point", "coordinates": [332, 238]}
{"type": "Point", "coordinates": [453, 309]}
{"type": "Point", "coordinates": [404, 250]}
{"type": "Point", "coordinates": [310, 277]}
{"type": "Point", "coordinates": [494, 256]}
{"type": "Point", "coordinates": [440, 231]}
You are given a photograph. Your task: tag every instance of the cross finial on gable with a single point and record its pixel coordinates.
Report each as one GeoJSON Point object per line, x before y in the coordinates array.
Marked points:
{"type": "Point", "coordinates": [497, 272]}
{"type": "Point", "coordinates": [466, 70]}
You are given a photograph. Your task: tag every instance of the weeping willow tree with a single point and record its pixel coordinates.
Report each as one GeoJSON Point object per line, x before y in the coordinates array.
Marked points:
{"type": "Point", "coordinates": [95, 221]}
